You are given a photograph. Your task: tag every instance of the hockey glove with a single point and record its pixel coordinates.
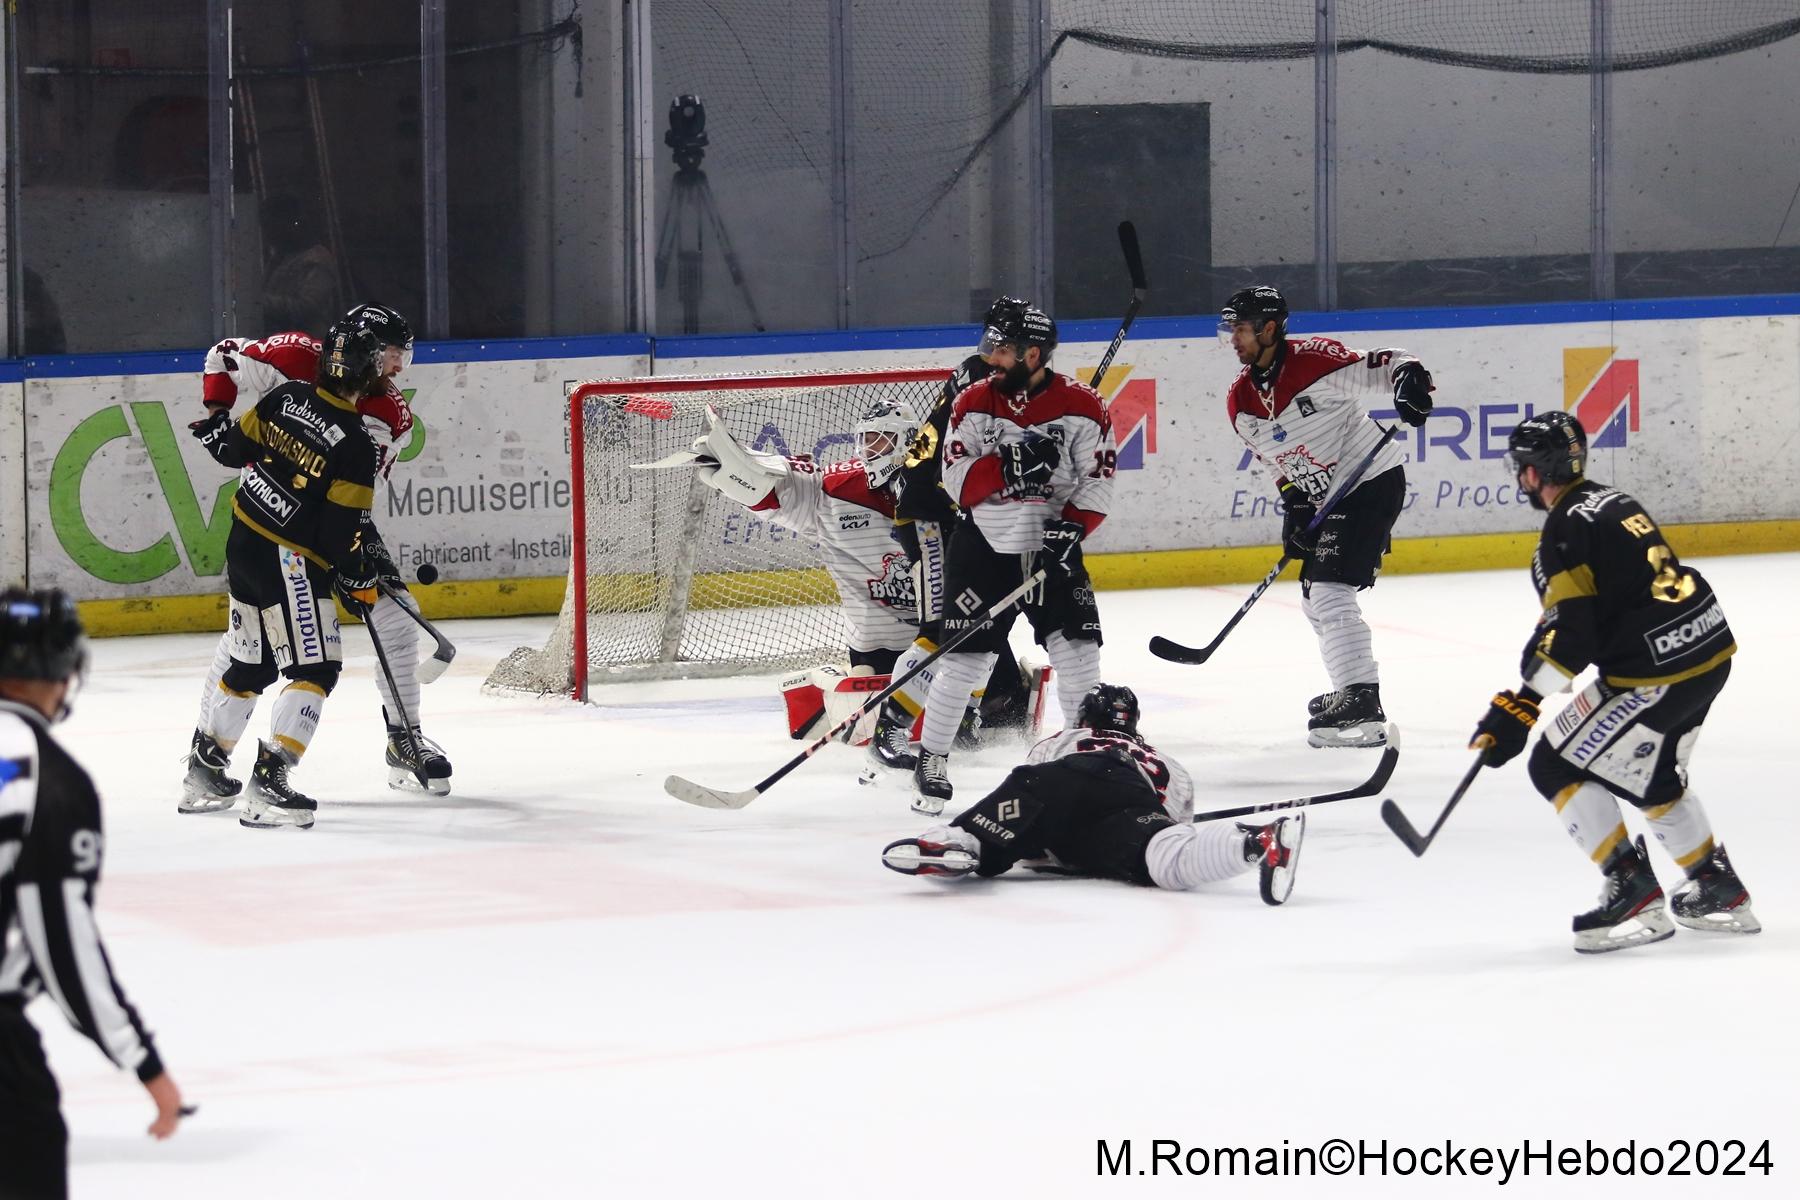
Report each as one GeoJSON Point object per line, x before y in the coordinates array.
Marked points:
{"type": "Point", "coordinates": [1026, 466]}
{"type": "Point", "coordinates": [380, 563]}
{"type": "Point", "coordinates": [357, 579]}
{"type": "Point", "coordinates": [1297, 512]}
{"type": "Point", "coordinates": [1505, 728]}
{"type": "Point", "coordinates": [1412, 393]}
{"type": "Point", "coordinates": [212, 429]}
{"type": "Point", "coordinates": [1061, 552]}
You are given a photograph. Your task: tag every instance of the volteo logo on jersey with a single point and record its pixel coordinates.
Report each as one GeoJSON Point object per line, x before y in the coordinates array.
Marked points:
{"type": "Point", "coordinates": [1602, 392]}
{"type": "Point", "coordinates": [1131, 403]}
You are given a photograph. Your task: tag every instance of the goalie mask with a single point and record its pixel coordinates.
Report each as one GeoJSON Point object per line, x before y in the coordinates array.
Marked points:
{"type": "Point", "coordinates": [883, 437]}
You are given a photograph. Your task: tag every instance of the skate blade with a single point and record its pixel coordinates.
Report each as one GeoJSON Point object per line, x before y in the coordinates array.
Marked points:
{"type": "Point", "coordinates": [256, 820]}
{"type": "Point", "coordinates": [198, 801]}
{"type": "Point", "coordinates": [1648, 928]}
{"type": "Point", "coordinates": [1736, 920]}
{"type": "Point", "coordinates": [1277, 885]}
{"type": "Point", "coordinates": [928, 806]}
{"type": "Point", "coordinates": [1370, 735]}
{"type": "Point", "coordinates": [403, 780]}
{"type": "Point", "coordinates": [908, 859]}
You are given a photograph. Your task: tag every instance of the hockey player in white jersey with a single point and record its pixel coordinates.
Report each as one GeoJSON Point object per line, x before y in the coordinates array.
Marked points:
{"type": "Point", "coordinates": [1029, 458]}
{"type": "Point", "coordinates": [1303, 406]}
{"type": "Point", "coordinates": [250, 369]}
{"type": "Point", "coordinates": [848, 508]}
{"type": "Point", "coordinates": [1097, 799]}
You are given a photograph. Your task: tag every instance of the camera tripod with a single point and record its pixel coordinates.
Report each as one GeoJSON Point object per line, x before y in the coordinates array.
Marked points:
{"type": "Point", "coordinates": [692, 211]}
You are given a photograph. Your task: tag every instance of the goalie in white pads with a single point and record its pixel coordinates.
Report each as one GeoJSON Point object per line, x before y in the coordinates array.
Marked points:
{"type": "Point", "coordinates": [1099, 800]}
{"type": "Point", "coordinates": [249, 368]}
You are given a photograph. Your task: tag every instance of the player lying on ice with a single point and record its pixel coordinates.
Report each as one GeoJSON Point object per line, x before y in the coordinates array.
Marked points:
{"type": "Point", "coordinates": [1099, 800]}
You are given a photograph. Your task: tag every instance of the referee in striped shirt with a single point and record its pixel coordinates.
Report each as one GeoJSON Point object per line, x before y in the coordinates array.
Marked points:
{"type": "Point", "coordinates": [50, 851]}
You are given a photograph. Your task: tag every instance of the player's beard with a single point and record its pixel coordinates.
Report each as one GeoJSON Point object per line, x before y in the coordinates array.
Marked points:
{"type": "Point", "coordinates": [1014, 379]}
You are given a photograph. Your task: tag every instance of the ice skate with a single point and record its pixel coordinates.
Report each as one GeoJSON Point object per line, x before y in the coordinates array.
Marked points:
{"type": "Point", "coordinates": [1353, 719]}
{"type": "Point", "coordinates": [272, 802]}
{"type": "Point", "coordinates": [968, 734]}
{"type": "Point", "coordinates": [1631, 910]}
{"type": "Point", "coordinates": [1714, 898]}
{"type": "Point", "coordinates": [932, 778]}
{"type": "Point", "coordinates": [891, 745]}
{"type": "Point", "coordinates": [1320, 703]}
{"type": "Point", "coordinates": [1275, 849]}
{"type": "Point", "coordinates": [408, 753]}
{"type": "Point", "coordinates": [943, 851]}
{"type": "Point", "coordinates": [207, 788]}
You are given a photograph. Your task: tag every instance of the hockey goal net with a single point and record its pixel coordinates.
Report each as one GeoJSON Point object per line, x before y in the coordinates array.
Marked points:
{"type": "Point", "coordinates": [667, 578]}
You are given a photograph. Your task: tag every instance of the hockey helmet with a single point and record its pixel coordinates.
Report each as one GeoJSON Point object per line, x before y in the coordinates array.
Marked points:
{"type": "Point", "coordinates": [41, 638]}
{"type": "Point", "coordinates": [1554, 442]}
{"type": "Point", "coordinates": [1257, 305]}
{"type": "Point", "coordinates": [883, 437]}
{"type": "Point", "coordinates": [1109, 707]}
{"type": "Point", "coordinates": [1023, 327]}
{"type": "Point", "coordinates": [350, 361]}
{"type": "Point", "coordinates": [1002, 323]}
{"type": "Point", "coordinates": [388, 326]}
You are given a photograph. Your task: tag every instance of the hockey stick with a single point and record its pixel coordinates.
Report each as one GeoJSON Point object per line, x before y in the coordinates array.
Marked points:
{"type": "Point", "coordinates": [1403, 828]}
{"type": "Point", "coordinates": [387, 672]}
{"type": "Point", "coordinates": [439, 662]}
{"type": "Point", "coordinates": [693, 793]}
{"type": "Point", "coordinates": [1134, 263]}
{"type": "Point", "coordinates": [1369, 787]}
{"type": "Point", "coordinates": [1162, 647]}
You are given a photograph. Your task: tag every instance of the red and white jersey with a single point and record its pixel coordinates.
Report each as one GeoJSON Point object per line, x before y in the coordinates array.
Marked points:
{"type": "Point", "coordinates": [1168, 777]}
{"type": "Point", "coordinates": [259, 367]}
{"type": "Point", "coordinates": [1081, 487]}
{"type": "Point", "coordinates": [1315, 414]}
{"type": "Point", "coordinates": [854, 527]}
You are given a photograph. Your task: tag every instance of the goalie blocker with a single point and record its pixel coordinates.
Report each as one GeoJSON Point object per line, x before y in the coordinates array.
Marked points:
{"type": "Point", "coordinates": [824, 696]}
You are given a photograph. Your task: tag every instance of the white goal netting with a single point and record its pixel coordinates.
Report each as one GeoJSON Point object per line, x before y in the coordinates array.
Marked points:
{"type": "Point", "coordinates": [668, 579]}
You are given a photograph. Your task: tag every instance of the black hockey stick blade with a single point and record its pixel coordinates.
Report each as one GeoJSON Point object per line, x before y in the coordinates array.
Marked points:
{"type": "Point", "coordinates": [1403, 829]}
{"type": "Point", "coordinates": [1134, 258]}
{"type": "Point", "coordinates": [1384, 770]}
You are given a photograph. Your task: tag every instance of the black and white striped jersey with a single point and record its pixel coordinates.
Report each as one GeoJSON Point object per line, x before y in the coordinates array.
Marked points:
{"type": "Point", "coordinates": [51, 845]}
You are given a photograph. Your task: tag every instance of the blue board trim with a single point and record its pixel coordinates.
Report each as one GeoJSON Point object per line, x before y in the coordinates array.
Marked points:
{"type": "Point", "coordinates": [938, 337]}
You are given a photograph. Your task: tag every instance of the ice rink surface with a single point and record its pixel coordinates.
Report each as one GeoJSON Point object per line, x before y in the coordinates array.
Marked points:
{"type": "Point", "coordinates": [561, 982]}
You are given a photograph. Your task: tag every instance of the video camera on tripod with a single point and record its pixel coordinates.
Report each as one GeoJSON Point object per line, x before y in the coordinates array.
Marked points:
{"type": "Point", "coordinates": [691, 212]}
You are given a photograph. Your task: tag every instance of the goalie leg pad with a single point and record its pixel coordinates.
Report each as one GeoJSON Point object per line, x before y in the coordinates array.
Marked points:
{"type": "Point", "coordinates": [824, 696]}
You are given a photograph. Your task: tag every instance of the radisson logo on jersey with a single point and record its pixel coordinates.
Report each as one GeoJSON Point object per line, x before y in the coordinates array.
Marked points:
{"type": "Point", "coordinates": [1602, 392]}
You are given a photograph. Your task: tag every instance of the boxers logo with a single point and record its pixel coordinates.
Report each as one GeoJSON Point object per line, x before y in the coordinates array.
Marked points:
{"type": "Point", "coordinates": [1602, 392]}
{"type": "Point", "coordinates": [894, 586]}
{"type": "Point", "coordinates": [1675, 638]}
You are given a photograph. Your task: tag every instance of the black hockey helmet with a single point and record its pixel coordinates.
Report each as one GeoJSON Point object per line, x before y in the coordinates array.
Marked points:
{"type": "Point", "coordinates": [40, 636]}
{"type": "Point", "coordinates": [388, 326]}
{"type": "Point", "coordinates": [1554, 442]}
{"type": "Point", "coordinates": [1257, 305]}
{"type": "Point", "coordinates": [350, 360]}
{"type": "Point", "coordinates": [1111, 707]}
{"type": "Point", "coordinates": [1002, 323]}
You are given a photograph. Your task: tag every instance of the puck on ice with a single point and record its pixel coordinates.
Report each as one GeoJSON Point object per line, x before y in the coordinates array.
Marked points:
{"type": "Point", "coordinates": [428, 574]}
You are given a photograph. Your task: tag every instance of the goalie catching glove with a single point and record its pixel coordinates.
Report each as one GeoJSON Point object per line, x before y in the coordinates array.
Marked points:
{"type": "Point", "coordinates": [729, 469]}
{"type": "Point", "coordinates": [1506, 727]}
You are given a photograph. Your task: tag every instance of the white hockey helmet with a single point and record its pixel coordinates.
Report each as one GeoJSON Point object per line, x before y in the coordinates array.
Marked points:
{"type": "Point", "coordinates": [883, 438]}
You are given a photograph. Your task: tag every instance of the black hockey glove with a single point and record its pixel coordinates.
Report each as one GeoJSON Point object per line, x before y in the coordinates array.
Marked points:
{"type": "Point", "coordinates": [357, 578]}
{"type": "Point", "coordinates": [1505, 728]}
{"type": "Point", "coordinates": [1026, 466]}
{"type": "Point", "coordinates": [1061, 552]}
{"type": "Point", "coordinates": [212, 430]}
{"type": "Point", "coordinates": [1412, 393]}
{"type": "Point", "coordinates": [1297, 512]}
{"type": "Point", "coordinates": [380, 562]}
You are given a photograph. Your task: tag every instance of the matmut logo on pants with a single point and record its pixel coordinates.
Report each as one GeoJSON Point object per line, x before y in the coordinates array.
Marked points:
{"type": "Point", "coordinates": [1602, 392]}
{"type": "Point", "coordinates": [1131, 403]}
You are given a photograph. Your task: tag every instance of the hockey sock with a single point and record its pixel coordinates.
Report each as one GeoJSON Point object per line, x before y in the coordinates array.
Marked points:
{"type": "Point", "coordinates": [1078, 667]}
{"type": "Point", "coordinates": [1591, 816]}
{"type": "Point", "coordinates": [912, 697]}
{"type": "Point", "coordinates": [296, 716]}
{"type": "Point", "coordinates": [1185, 856]}
{"type": "Point", "coordinates": [1344, 640]}
{"type": "Point", "coordinates": [225, 714]}
{"type": "Point", "coordinates": [958, 675]}
{"type": "Point", "coordinates": [399, 636]}
{"type": "Point", "coordinates": [1681, 826]}
{"type": "Point", "coordinates": [210, 689]}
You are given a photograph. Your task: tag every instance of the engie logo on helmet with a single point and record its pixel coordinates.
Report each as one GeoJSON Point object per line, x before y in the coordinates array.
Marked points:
{"type": "Point", "coordinates": [1131, 403]}
{"type": "Point", "coordinates": [1602, 392]}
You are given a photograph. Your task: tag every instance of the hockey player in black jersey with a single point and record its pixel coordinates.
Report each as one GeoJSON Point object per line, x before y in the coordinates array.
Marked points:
{"type": "Point", "coordinates": [1616, 597]}
{"type": "Point", "coordinates": [51, 848]}
{"type": "Point", "coordinates": [1099, 800]}
{"type": "Point", "coordinates": [926, 518]}
{"type": "Point", "coordinates": [295, 528]}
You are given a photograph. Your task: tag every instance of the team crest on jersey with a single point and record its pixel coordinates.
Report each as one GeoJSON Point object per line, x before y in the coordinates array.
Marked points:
{"type": "Point", "coordinates": [894, 587]}
{"type": "Point", "coordinates": [1304, 472]}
